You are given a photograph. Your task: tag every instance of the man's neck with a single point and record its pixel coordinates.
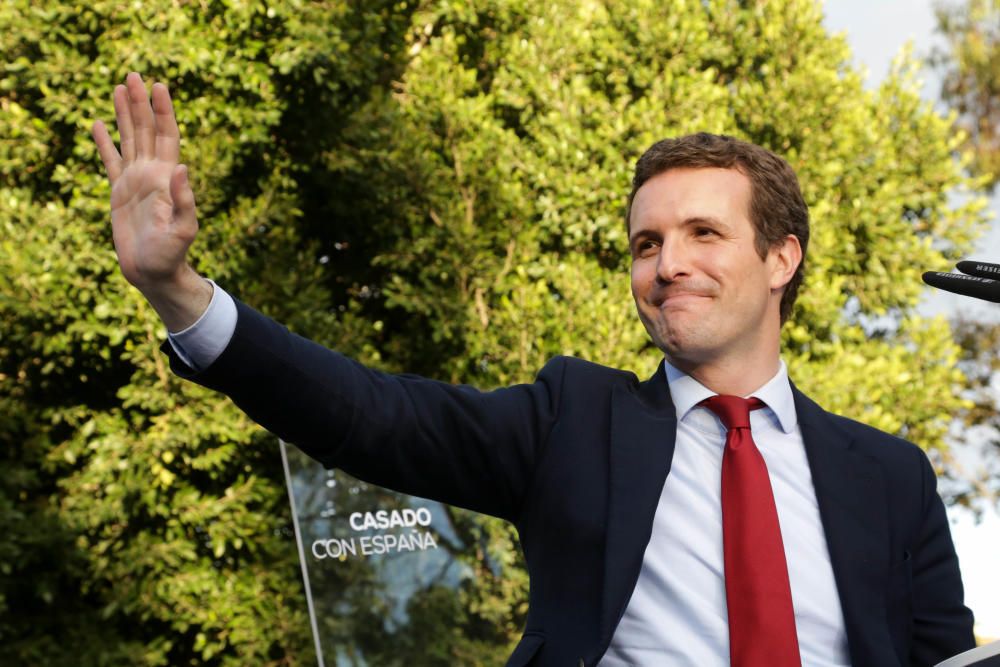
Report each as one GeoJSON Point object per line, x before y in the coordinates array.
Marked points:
{"type": "Point", "coordinates": [735, 379]}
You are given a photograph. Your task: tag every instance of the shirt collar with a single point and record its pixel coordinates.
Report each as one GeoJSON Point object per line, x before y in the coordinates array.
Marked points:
{"type": "Point", "coordinates": [776, 393]}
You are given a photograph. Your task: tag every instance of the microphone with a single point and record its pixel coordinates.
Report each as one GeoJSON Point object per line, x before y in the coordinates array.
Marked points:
{"type": "Point", "coordinates": [978, 279]}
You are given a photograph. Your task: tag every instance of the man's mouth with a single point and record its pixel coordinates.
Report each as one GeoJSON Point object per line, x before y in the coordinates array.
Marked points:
{"type": "Point", "coordinates": [679, 298]}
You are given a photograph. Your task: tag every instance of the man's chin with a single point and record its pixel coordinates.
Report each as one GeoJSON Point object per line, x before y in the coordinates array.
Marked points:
{"type": "Point", "coordinates": [677, 336]}
{"type": "Point", "coordinates": [682, 348]}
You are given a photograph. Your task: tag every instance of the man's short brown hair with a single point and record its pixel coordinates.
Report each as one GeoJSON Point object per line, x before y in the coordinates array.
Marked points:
{"type": "Point", "coordinates": [777, 208]}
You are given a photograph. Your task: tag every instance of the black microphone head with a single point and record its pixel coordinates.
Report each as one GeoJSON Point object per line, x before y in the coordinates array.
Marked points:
{"type": "Point", "coordinates": [968, 285]}
{"type": "Point", "coordinates": [981, 269]}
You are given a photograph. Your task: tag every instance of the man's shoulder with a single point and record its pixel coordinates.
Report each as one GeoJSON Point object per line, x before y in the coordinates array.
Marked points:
{"type": "Point", "coordinates": [576, 370]}
{"type": "Point", "coordinates": [869, 439]}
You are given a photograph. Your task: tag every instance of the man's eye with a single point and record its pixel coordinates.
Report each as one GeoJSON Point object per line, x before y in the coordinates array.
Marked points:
{"type": "Point", "coordinates": [704, 231]}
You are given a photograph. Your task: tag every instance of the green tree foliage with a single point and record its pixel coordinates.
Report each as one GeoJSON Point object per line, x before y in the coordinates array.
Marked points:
{"type": "Point", "coordinates": [975, 482]}
{"type": "Point", "coordinates": [970, 62]}
{"type": "Point", "coordinates": [434, 187]}
{"type": "Point", "coordinates": [143, 525]}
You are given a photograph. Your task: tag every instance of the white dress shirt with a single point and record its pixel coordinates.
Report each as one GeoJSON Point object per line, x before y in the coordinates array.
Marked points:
{"type": "Point", "coordinates": [202, 342]}
{"type": "Point", "coordinates": [677, 613]}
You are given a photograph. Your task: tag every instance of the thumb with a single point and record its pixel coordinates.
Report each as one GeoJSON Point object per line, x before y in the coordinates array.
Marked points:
{"type": "Point", "coordinates": [183, 197]}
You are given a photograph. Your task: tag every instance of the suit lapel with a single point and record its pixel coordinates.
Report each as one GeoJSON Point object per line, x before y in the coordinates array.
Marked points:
{"type": "Point", "coordinates": [643, 430]}
{"type": "Point", "coordinates": [853, 507]}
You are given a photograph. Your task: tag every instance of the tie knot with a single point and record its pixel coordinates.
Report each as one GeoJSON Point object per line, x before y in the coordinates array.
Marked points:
{"type": "Point", "coordinates": [734, 411]}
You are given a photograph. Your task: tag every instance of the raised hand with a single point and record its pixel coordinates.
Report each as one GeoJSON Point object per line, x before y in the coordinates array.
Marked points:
{"type": "Point", "coordinates": [152, 206]}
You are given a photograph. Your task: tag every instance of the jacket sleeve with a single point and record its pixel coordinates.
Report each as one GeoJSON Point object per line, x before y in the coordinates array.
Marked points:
{"type": "Point", "coordinates": [450, 443]}
{"type": "Point", "coordinates": [942, 624]}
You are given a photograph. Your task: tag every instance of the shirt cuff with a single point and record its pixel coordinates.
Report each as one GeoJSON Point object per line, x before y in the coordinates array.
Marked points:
{"type": "Point", "coordinates": [200, 344]}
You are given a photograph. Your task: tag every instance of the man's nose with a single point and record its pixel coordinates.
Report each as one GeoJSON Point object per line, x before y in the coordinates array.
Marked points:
{"type": "Point", "coordinates": [673, 261]}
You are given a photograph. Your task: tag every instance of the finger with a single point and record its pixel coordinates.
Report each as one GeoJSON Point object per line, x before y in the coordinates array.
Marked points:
{"type": "Point", "coordinates": [168, 137]}
{"type": "Point", "coordinates": [142, 116]}
{"type": "Point", "coordinates": [981, 269]}
{"type": "Point", "coordinates": [106, 149]}
{"type": "Point", "coordinates": [183, 197]}
{"type": "Point", "coordinates": [126, 131]}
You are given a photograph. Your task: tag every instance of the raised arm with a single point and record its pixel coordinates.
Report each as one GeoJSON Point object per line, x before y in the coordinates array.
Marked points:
{"type": "Point", "coordinates": [153, 215]}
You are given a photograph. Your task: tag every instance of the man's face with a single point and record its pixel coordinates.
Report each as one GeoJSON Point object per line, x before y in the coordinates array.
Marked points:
{"type": "Point", "coordinates": [703, 293]}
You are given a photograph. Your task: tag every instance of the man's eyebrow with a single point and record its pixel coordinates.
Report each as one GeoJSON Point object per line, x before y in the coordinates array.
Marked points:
{"type": "Point", "coordinates": [642, 234]}
{"type": "Point", "coordinates": [636, 234]}
{"type": "Point", "coordinates": [693, 220]}
{"type": "Point", "coordinates": [704, 220]}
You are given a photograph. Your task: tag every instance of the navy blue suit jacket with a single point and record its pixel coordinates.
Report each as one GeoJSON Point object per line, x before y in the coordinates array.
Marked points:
{"type": "Point", "coordinates": [577, 461]}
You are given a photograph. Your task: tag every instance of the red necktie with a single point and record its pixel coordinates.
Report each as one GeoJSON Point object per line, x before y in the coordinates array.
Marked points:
{"type": "Point", "coordinates": [759, 598]}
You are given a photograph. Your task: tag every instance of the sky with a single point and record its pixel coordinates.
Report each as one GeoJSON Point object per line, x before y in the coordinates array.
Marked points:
{"type": "Point", "coordinates": [876, 31]}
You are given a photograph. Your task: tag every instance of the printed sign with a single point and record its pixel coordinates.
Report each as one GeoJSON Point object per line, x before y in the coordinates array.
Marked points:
{"type": "Point", "coordinates": [371, 559]}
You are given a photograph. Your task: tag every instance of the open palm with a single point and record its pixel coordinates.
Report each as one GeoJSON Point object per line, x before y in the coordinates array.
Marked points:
{"type": "Point", "coordinates": [152, 205]}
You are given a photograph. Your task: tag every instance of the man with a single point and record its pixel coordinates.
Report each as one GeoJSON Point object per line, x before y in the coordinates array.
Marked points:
{"type": "Point", "coordinates": [782, 535]}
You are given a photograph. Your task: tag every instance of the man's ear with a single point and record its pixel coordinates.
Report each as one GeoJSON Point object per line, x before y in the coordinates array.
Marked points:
{"type": "Point", "coordinates": [784, 259]}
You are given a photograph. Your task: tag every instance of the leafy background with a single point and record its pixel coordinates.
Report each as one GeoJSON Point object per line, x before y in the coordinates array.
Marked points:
{"type": "Point", "coordinates": [430, 186]}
